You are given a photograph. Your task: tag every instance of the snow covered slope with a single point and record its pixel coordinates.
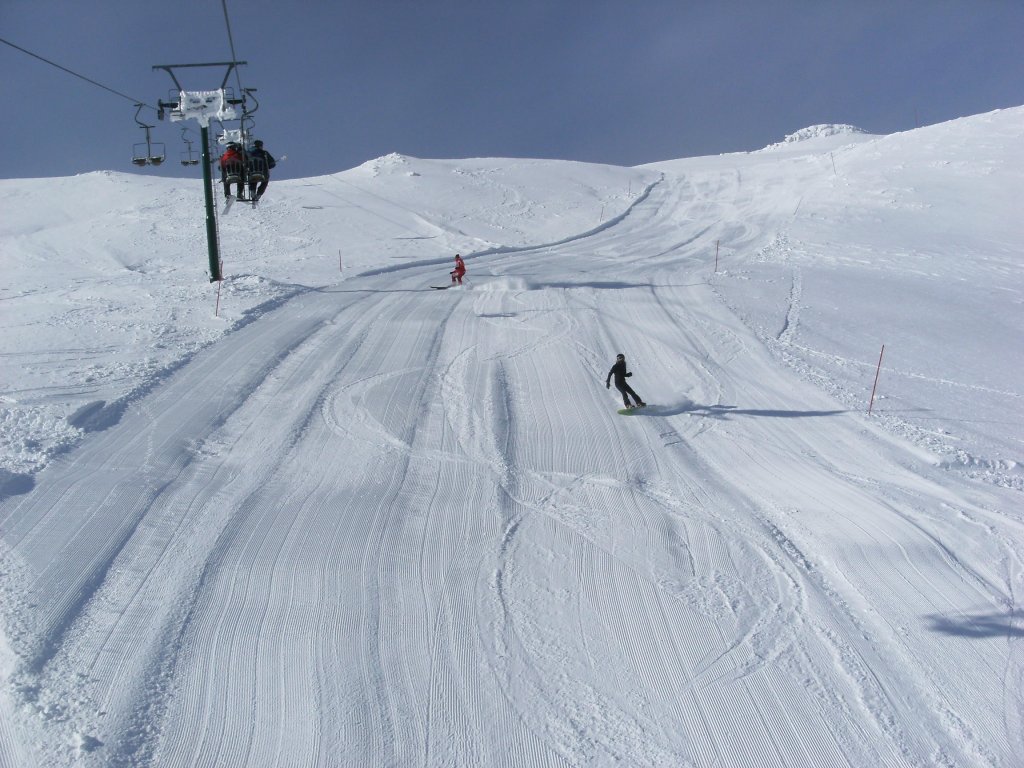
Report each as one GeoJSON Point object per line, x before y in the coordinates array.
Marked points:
{"type": "Point", "coordinates": [106, 291]}
{"type": "Point", "coordinates": [354, 521]}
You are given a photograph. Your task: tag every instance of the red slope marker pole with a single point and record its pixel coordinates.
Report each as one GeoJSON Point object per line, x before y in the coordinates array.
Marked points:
{"type": "Point", "coordinates": [878, 370]}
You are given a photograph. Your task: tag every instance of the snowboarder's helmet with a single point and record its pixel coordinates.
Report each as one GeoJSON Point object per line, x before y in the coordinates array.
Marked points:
{"type": "Point", "coordinates": [258, 143]}
{"type": "Point", "coordinates": [620, 356]}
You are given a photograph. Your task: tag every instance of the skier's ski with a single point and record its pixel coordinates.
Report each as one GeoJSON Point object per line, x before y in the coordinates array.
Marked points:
{"type": "Point", "coordinates": [440, 287]}
{"type": "Point", "coordinates": [227, 204]}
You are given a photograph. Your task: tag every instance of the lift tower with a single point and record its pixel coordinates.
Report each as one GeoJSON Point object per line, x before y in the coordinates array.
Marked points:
{"type": "Point", "coordinates": [204, 106]}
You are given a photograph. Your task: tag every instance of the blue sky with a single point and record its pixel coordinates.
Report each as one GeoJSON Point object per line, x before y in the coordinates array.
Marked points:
{"type": "Point", "coordinates": [625, 82]}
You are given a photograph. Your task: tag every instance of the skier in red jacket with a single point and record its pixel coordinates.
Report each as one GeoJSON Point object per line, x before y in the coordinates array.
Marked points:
{"type": "Point", "coordinates": [232, 169]}
{"type": "Point", "coordinates": [459, 271]}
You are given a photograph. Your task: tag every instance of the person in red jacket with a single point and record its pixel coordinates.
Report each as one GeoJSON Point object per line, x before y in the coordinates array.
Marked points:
{"type": "Point", "coordinates": [232, 169]}
{"type": "Point", "coordinates": [459, 271]}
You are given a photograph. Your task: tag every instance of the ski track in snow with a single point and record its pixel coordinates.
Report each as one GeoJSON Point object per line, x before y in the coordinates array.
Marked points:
{"type": "Point", "coordinates": [382, 526]}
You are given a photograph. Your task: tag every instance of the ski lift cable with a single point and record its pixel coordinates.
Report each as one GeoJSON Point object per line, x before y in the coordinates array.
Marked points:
{"type": "Point", "coordinates": [76, 74]}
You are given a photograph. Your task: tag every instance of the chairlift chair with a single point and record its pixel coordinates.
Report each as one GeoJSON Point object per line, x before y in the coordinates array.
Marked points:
{"type": "Point", "coordinates": [150, 155]}
{"type": "Point", "coordinates": [257, 170]}
{"type": "Point", "coordinates": [189, 156]}
{"type": "Point", "coordinates": [147, 153]}
{"type": "Point", "coordinates": [234, 172]}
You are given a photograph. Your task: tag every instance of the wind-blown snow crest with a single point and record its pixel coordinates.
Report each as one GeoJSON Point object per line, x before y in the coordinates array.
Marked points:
{"type": "Point", "coordinates": [814, 133]}
{"type": "Point", "coordinates": [389, 163]}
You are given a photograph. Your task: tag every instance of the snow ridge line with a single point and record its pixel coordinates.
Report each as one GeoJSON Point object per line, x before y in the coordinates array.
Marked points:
{"type": "Point", "coordinates": [509, 249]}
{"type": "Point", "coordinates": [788, 331]}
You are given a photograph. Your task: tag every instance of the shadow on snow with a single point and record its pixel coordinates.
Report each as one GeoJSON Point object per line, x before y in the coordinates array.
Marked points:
{"type": "Point", "coordinates": [981, 625]}
{"type": "Point", "coordinates": [725, 412]}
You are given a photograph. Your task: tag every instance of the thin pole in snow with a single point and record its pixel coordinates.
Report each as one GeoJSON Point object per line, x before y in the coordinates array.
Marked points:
{"type": "Point", "coordinates": [220, 282]}
{"type": "Point", "coordinates": [878, 370]}
{"type": "Point", "coordinates": [716, 254]}
{"type": "Point", "coordinates": [339, 261]}
{"type": "Point", "coordinates": [833, 163]}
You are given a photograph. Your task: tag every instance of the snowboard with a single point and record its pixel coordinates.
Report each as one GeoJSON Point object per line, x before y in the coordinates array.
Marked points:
{"type": "Point", "coordinates": [442, 287]}
{"type": "Point", "coordinates": [631, 411]}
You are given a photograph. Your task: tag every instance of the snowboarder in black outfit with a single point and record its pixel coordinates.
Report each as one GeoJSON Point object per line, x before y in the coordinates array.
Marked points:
{"type": "Point", "coordinates": [621, 374]}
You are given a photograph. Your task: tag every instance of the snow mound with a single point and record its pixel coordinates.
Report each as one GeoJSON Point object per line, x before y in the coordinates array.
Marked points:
{"type": "Point", "coordinates": [391, 163]}
{"type": "Point", "coordinates": [819, 132]}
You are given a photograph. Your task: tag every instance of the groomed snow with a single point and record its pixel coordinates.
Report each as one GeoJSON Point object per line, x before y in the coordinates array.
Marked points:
{"type": "Point", "coordinates": [328, 516]}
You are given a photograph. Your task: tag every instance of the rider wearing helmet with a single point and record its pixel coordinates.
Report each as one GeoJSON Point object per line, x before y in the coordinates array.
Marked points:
{"type": "Point", "coordinates": [621, 374]}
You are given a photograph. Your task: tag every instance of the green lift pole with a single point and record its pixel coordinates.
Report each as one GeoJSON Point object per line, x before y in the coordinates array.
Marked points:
{"type": "Point", "coordinates": [211, 218]}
